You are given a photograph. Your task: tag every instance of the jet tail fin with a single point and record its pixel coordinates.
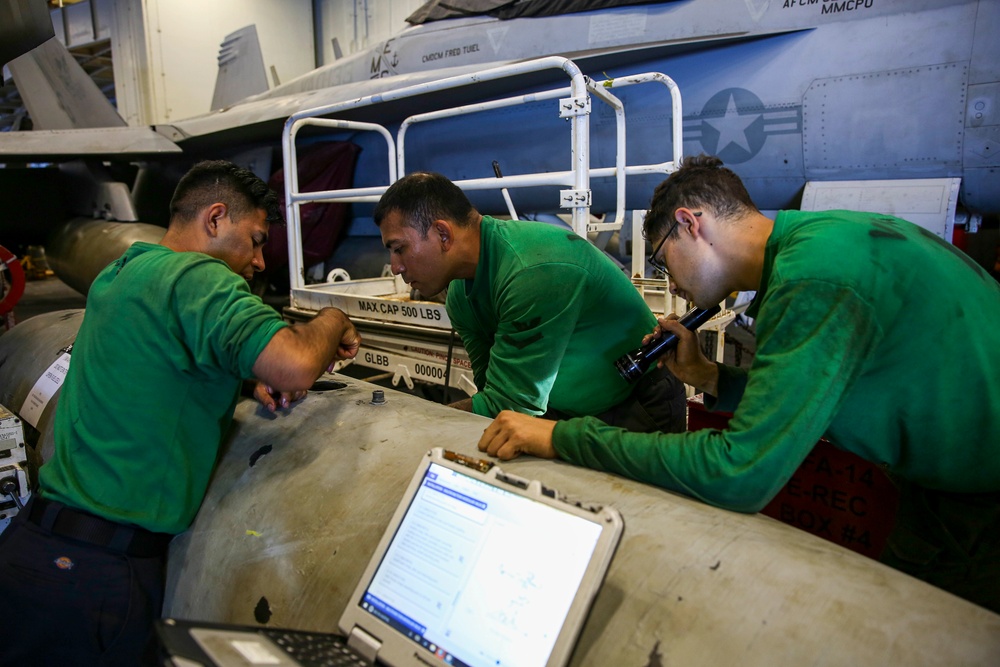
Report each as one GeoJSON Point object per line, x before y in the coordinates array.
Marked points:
{"type": "Point", "coordinates": [58, 93]}
{"type": "Point", "coordinates": [241, 68]}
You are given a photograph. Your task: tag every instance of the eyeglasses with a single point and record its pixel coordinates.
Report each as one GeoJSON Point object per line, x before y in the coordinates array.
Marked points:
{"type": "Point", "coordinates": [659, 264]}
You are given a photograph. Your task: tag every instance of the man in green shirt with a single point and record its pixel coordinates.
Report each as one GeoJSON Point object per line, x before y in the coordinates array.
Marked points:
{"type": "Point", "coordinates": [170, 332]}
{"type": "Point", "coordinates": [543, 314]}
{"type": "Point", "coordinates": [871, 332]}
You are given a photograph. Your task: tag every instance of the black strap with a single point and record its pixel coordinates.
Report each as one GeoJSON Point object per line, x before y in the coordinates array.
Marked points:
{"type": "Point", "coordinates": [85, 527]}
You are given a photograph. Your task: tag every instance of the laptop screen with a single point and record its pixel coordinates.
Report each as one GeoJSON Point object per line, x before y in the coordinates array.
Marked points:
{"type": "Point", "coordinates": [478, 575]}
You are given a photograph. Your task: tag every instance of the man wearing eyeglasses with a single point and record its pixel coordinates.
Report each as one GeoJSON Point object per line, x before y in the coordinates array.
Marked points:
{"type": "Point", "coordinates": [543, 314]}
{"type": "Point", "coordinates": [871, 332]}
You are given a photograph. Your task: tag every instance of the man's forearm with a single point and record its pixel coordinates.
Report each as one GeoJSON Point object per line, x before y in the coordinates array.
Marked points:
{"type": "Point", "coordinates": [707, 379]}
{"type": "Point", "coordinates": [297, 355]}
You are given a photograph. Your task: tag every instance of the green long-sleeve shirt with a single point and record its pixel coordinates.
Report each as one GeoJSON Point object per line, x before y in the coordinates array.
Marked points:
{"type": "Point", "coordinates": [544, 319]}
{"type": "Point", "coordinates": [871, 332]}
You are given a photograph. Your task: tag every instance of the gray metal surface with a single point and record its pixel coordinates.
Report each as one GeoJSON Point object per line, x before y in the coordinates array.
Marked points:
{"type": "Point", "coordinates": [26, 352]}
{"type": "Point", "coordinates": [284, 535]}
{"type": "Point", "coordinates": [81, 248]}
{"type": "Point", "coordinates": [90, 143]}
{"type": "Point", "coordinates": [301, 497]}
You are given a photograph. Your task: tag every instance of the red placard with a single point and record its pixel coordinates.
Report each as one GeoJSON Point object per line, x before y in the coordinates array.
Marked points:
{"type": "Point", "coordinates": [834, 494]}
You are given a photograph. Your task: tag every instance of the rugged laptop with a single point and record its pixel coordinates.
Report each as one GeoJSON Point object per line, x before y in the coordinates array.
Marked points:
{"type": "Point", "coordinates": [477, 568]}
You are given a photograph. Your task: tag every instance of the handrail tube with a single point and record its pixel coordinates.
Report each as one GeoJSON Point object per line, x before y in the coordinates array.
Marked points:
{"type": "Point", "coordinates": [372, 193]}
{"type": "Point", "coordinates": [333, 195]}
{"type": "Point", "coordinates": [516, 181]}
{"type": "Point", "coordinates": [549, 62]}
{"type": "Point", "coordinates": [620, 173]}
{"type": "Point", "coordinates": [468, 109]}
{"type": "Point", "coordinates": [677, 115]}
{"type": "Point", "coordinates": [580, 147]}
{"type": "Point", "coordinates": [519, 181]}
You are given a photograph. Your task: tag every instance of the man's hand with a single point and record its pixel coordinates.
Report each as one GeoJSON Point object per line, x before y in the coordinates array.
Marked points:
{"type": "Point", "coordinates": [272, 399]}
{"type": "Point", "coordinates": [350, 343]}
{"type": "Point", "coordinates": [686, 361]}
{"type": "Point", "coordinates": [512, 434]}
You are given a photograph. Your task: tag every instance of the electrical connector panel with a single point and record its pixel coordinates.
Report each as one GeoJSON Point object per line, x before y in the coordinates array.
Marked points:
{"type": "Point", "coordinates": [14, 483]}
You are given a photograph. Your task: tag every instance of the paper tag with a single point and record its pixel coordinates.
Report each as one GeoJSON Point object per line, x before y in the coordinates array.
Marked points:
{"type": "Point", "coordinates": [44, 389]}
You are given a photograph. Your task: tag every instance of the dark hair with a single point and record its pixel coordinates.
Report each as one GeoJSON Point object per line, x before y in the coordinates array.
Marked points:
{"type": "Point", "coordinates": [212, 181]}
{"type": "Point", "coordinates": [700, 182]}
{"type": "Point", "coordinates": [423, 197]}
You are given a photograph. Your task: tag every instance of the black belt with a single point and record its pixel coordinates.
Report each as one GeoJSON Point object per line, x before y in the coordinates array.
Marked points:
{"type": "Point", "coordinates": [84, 527]}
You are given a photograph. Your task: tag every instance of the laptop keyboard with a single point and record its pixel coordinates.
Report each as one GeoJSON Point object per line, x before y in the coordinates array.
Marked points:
{"type": "Point", "coordinates": [316, 649]}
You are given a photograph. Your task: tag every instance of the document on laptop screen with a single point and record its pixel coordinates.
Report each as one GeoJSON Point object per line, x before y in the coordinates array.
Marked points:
{"type": "Point", "coordinates": [479, 575]}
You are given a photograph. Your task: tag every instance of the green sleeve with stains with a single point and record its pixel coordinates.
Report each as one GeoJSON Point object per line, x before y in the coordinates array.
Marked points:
{"type": "Point", "coordinates": [803, 367]}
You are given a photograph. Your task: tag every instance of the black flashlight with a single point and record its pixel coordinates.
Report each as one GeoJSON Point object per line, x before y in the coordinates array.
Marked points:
{"type": "Point", "coordinates": [633, 365]}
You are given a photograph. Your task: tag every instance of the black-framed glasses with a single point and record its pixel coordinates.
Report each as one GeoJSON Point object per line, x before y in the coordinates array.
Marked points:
{"type": "Point", "coordinates": [659, 264]}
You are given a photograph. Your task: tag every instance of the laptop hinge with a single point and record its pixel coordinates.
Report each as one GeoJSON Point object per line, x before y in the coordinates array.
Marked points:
{"type": "Point", "coordinates": [364, 643]}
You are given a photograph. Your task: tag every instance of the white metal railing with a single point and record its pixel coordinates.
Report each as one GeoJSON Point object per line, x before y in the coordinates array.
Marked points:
{"type": "Point", "coordinates": [294, 198]}
{"type": "Point", "coordinates": [575, 108]}
{"type": "Point", "coordinates": [621, 169]}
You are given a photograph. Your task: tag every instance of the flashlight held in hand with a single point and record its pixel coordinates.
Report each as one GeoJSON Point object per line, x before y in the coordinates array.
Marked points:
{"type": "Point", "coordinates": [633, 365]}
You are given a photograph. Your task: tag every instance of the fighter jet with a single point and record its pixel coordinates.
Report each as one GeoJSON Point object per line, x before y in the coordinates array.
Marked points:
{"type": "Point", "coordinates": [785, 91]}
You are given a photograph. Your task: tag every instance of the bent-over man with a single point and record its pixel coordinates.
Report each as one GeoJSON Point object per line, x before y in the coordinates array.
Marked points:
{"type": "Point", "coordinates": [170, 332]}
{"type": "Point", "coordinates": [543, 314]}
{"type": "Point", "coordinates": [871, 332]}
